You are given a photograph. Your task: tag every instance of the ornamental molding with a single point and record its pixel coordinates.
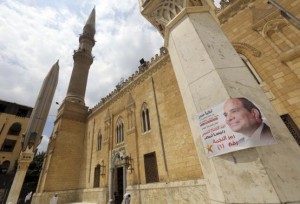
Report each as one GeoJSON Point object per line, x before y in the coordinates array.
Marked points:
{"type": "Point", "coordinates": [230, 8]}
{"type": "Point", "coordinates": [126, 86]}
{"type": "Point", "coordinates": [290, 55]}
{"type": "Point", "coordinates": [167, 10]}
{"type": "Point", "coordinates": [261, 16]}
{"type": "Point", "coordinates": [161, 12]}
{"type": "Point", "coordinates": [83, 56]}
{"type": "Point", "coordinates": [273, 26]}
{"type": "Point", "coordinates": [246, 48]}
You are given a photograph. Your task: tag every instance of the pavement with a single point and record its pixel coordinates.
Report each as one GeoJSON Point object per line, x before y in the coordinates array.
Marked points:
{"type": "Point", "coordinates": [81, 203]}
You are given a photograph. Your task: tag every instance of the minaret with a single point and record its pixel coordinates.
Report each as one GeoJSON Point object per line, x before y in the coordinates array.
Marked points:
{"type": "Point", "coordinates": [82, 61]}
{"type": "Point", "coordinates": [33, 134]}
{"type": "Point", "coordinates": [62, 165]}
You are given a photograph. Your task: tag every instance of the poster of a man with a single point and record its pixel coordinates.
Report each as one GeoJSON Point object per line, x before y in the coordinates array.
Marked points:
{"type": "Point", "coordinates": [242, 116]}
{"type": "Point", "coordinates": [233, 125]}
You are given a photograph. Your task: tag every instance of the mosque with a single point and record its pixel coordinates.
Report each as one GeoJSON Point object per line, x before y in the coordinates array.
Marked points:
{"type": "Point", "coordinates": [144, 137]}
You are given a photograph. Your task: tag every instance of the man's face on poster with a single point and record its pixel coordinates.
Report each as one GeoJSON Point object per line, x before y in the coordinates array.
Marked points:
{"type": "Point", "coordinates": [239, 119]}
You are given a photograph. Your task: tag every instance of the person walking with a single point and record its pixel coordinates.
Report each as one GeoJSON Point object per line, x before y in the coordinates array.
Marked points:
{"type": "Point", "coordinates": [54, 199]}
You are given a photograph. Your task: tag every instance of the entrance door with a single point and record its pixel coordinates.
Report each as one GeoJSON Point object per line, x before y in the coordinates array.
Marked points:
{"type": "Point", "coordinates": [120, 186]}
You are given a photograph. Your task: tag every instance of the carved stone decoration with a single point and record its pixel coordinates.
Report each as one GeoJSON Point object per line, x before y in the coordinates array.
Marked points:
{"type": "Point", "coordinates": [244, 47]}
{"type": "Point", "coordinates": [194, 3]}
{"type": "Point", "coordinates": [167, 10]}
{"type": "Point", "coordinates": [273, 26]}
{"type": "Point", "coordinates": [118, 156]}
{"type": "Point", "coordinates": [231, 8]}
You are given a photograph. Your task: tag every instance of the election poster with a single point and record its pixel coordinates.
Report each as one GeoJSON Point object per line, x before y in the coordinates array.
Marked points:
{"type": "Point", "coordinates": [233, 125]}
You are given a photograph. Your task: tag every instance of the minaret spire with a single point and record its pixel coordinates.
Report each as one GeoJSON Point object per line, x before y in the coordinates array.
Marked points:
{"type": "Point", "coordinates": [83, 59]}
{"type": "Point", "coordinates": [90, 23]}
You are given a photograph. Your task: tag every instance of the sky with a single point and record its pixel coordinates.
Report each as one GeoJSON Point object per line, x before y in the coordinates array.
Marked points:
{"type": "Point", "coordinates": [34, 34]}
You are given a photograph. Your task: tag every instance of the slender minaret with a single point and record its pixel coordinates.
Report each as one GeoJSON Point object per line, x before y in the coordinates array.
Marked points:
{"type": "Point", "coordinates": [33, 134]}
{"type": "Point", "coordinates": [82, 61]}
{"type": "Point", "coordinates": [62, 166]}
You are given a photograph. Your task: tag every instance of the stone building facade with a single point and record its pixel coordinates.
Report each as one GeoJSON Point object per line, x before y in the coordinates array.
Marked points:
{"type": "Point", "coordinates": [268, 41]}
{"type": "Point", "coordinates": [139, 139]}
{"type": "Point", "coordinates": [13, 122]}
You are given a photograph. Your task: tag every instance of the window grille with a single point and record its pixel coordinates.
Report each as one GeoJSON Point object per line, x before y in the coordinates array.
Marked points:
{"type": "Point", "coordinates": [293, 128]}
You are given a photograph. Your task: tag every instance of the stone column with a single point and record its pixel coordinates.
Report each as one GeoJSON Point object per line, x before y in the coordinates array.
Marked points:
{"type": "Point", "coordinates": [23, 163]}
{"type": "Point", "coordinates": [209, 71]}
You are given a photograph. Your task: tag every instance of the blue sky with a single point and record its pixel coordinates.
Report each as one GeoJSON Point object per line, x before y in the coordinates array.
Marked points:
{"type": "Point", "coordinates": [34, 34]}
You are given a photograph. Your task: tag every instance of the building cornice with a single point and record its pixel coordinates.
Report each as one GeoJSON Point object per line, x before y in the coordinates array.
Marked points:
{"type": "Point", "coordinates": [231, 8]}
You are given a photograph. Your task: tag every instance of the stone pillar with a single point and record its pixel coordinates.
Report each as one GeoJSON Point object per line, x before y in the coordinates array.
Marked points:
{"type": "Point", "coordinates": [111, 167]}
{"type": "Point", "coordinates": [209, 71]}
{"type": "Point", "coordinates": [23, 163]}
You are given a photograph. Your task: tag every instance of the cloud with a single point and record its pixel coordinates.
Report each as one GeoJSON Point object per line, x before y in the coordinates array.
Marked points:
{"type": "Point", "coordinates": [44, 144]}
{"type": "Point", "coordinates": [35, 34]}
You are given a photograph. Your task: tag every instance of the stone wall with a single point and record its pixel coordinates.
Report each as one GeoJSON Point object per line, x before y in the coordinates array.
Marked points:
{"type": "Point", "coordinates": [271, 44]}
{"type": "Point", "coordinates": [178, 192]}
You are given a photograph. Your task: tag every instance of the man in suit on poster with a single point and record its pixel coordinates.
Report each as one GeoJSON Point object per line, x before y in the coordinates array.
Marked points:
{"type": "Point", "coordinates": [242, 116]}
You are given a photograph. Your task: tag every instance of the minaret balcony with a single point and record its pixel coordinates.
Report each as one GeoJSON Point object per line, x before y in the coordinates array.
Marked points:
{"type": "Point", "coordinates": [83, 56]}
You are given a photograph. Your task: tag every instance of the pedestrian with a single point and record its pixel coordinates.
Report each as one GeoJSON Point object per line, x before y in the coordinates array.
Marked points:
{"type": "Point", "coordinates": [126, 199]}
{"type": "Point", "coordinates": [28, 197]}
{"type": "Point", "coordinates": [54, 199]}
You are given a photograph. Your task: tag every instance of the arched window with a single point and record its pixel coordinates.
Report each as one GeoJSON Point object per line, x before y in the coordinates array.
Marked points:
{"type": "Point", "coordinates": [120, 131]}
{"type": "Point", "coordinates": [99, 140]}
{"type": "Point", "coordinates": [145, 118]}
{"type": "Point", "coordinates": [251, 69]}
{"type": "Point", "coordinates": [8, 145]}
{"type": "Point", "coordinates": [15, 129]}
{"type": "Point", "coordinates": [97, 176]}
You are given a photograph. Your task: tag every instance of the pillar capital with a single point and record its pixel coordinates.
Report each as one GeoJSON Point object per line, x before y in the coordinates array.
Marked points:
{"type": "Point", "coordinates": [162, 12]}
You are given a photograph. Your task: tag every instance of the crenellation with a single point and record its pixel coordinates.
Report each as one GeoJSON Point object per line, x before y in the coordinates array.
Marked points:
{"type": "Point", "coordinates": [133, 80]}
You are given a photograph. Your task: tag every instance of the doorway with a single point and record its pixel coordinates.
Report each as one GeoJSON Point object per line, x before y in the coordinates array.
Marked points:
{"type": "Point", "coordinates": [119, 185]}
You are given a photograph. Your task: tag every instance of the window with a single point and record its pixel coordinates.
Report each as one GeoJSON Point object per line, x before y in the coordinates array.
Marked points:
{"type": "Point", "coordinates": [22, 112]}
{"type": "Point", "coordinates": [15, 129]}
{"type": "Point", "coordinates": [151, 171]}
{"type": "Point", "coordinates": [120, 131]}
{"type": "Point", "coordinates": [8, 145]}
{"type": "Point", "coordinates": [97, 176]}
{"type": "Point", "coordinates": [291, 125]}
{"type": "Point", "coordinates": [99, 140]}
{"type": "Point", "coordinates": [145, 118]}
{"type": "Point", "coordinates": [251, 69]}
{"type": "Point", "coordinates": [4, 167]}
{"type": "Point", "coordinates": [2, 108]}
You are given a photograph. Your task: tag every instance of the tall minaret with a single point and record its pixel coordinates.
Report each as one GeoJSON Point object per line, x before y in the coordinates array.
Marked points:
{"type": "Point", "coordinates": [82, 61]}
{"type": "Point", "coordinates": [62, 165]}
